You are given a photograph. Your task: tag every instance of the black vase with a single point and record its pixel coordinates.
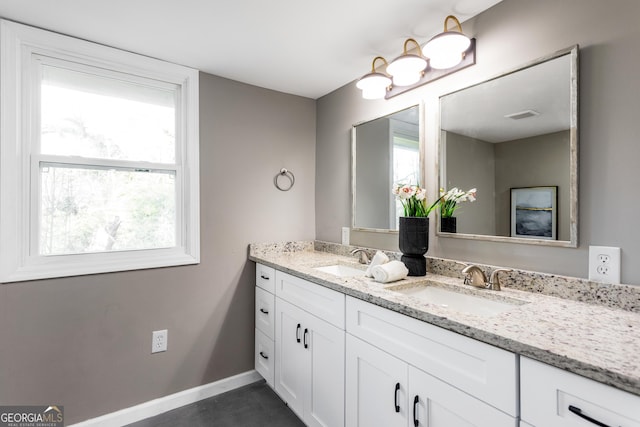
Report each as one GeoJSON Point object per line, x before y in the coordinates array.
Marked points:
{"type": "Point", "coordinates": [413, 239]}
{"type": "Point", "coordinates": [448, 225]}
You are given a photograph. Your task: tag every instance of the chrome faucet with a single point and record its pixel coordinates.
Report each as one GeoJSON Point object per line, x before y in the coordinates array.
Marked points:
{"type": "Point", "coordinates": [494, 281]}
{"type": "Point", "coordinates": [364, 255]}
{"type": "Point", "coordinates": [474, 276]}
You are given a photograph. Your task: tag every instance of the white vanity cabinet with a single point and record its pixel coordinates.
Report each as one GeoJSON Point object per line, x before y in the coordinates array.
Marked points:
{"type": "Point", "coordinates": [391, 359]}
{"type": "Point", "coordinates": [310, 350]}
{"type": "Point", "coordinates": [265, 323]}
{"type": "Point", "coordinates": [551, 397]}
{"type": "Point", "coordinates": [376, 386]}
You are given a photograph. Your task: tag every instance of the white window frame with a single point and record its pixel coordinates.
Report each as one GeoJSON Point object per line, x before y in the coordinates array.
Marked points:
{"type": "Point", "coordinates": [19, 44]}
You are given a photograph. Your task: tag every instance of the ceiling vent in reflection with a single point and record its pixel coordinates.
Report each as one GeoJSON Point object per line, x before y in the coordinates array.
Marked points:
{"type": "Point", "coordinates": [522, 115]}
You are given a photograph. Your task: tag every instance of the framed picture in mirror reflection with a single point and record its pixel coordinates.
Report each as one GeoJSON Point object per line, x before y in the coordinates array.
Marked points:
{"type": "Point", "coordinates": [534, 212]}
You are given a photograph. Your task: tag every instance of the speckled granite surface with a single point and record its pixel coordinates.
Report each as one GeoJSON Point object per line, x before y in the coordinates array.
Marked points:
{"type": "Point", "coordinates": [582, 332]}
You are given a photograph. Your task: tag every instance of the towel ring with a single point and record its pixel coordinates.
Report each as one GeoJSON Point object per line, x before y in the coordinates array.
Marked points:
{"type": "Point", "coordinates": [288, 174]}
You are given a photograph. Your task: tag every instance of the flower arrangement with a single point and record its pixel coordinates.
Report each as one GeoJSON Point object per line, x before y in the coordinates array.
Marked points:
{"type": "Point", "coordinates": [449, 200]}
{"type": "Point", "coordinates": [413, 199]}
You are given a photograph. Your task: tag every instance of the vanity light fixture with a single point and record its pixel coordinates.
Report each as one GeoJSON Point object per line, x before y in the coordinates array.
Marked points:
{"type": "Point", "coordinates": [408, 68]}
{"type": "Point", "coordinates": [374, 84]}
{"type": "Point", "coordinates": [447, 49]}
{"type": "Point", "coordinates": [445, 53]}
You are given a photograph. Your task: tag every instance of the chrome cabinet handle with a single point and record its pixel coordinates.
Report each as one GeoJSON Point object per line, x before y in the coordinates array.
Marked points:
{"type": "Point", "coordinates": [306, 332]}
{"type": "Point", "coordinates": [262, 310]}
{"type": "Point", "coordinates": [416, 400]}
{"type": "Point", "coordinates": [264, 277]}
{"type": "Point", "coordinates": [395, 397]}
{"type": "Point", "coordinates": [264, 356]}
{"type": "Point", "coordinates": [298, 333]}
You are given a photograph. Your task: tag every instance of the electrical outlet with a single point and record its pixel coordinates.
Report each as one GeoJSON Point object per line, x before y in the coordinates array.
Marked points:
{"type": "Point", "coordinates": [159, 341]}
{"type": "Point", "coordinates": [604, 264]}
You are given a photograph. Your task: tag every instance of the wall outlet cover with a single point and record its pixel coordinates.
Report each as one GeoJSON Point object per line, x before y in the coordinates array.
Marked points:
{"type": "Point", "coordinates": [604, 264]}
{"type": "Point", "coordinates": [159, 341]}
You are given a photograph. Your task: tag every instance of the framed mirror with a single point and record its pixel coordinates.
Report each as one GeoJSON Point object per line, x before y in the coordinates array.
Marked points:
{"type": "Point", "coordinates": [515, 139]}
{"type": "Point", "coordinates": [384, 151]}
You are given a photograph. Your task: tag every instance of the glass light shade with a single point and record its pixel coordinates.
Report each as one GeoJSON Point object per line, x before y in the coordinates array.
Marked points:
{"type": "Point", "coordinates": [445, 61]}
{"type": "Point", "coordinates": [373, 85]}
{"type": "Point", "coordinates": [445, 50]}
{"type": "Point", "coordinates": [407, 69]}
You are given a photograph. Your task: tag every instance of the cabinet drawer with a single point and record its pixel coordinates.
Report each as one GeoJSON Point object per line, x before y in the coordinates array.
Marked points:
{"type": "Point", "coordinates": [322, 302]}
{"type": "Point", "coordinates": [264, 357]}
{"type": "Point", "coordinates": [479, 369]}
{"type": "Point", "coordinates": [265, 278]}
{"type": "Point", "coordinates": [547, 392]}
{"type": "Point", "coordinates": [265, 312]}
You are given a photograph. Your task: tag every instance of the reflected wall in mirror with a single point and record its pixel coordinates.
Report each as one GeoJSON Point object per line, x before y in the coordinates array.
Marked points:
{"type": "Point", "coordinates": [385, 151]}
{"type": "Point", "coordinates": [517, 130]}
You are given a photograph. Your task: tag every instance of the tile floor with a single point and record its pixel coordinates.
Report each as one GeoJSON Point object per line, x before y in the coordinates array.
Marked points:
{"type": "Point", "coordinates": [254, 405]}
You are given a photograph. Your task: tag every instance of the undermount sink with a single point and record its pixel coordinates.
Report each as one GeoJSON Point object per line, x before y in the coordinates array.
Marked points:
{"type": "Point", "coordinates": [457, 301]}
{"type": "Point", "coordinates": [340, 270]}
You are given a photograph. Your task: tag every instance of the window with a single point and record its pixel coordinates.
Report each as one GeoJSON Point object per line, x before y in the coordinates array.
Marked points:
{"type": "Point", "coordinates": [99, 158]}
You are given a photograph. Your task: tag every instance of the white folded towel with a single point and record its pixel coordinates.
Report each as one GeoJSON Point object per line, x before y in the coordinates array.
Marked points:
{"type": "Point", "coordinates": [378, 259]}
{"type": "Point", "coordinates": [389, 272]}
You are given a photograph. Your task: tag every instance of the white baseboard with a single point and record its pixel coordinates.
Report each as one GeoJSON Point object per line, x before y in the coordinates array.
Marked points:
{"type": "Point", "coordinates": [173, 401]}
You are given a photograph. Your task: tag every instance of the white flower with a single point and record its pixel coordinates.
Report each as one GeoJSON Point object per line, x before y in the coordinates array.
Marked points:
{"type": "Point", "coordinates": [406, 192]}
{"type": "Point", "coordinates": [421, 194]}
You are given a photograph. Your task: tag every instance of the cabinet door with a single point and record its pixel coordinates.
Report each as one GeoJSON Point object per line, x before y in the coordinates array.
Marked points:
{"type": "Point", "coordinates": [292, 361]}
{"type": "Point", "coordinates": [376, 393]}
{"type": "Point", "coordinates": [435, 403]}
{"type": "Point", "coordinates": [325, 346]}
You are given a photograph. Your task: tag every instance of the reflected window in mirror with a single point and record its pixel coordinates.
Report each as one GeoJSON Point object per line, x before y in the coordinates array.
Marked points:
{"type": "Point", "coordinates": [385, 151]}
{"type": "Point", "coordinates": [518, 130]}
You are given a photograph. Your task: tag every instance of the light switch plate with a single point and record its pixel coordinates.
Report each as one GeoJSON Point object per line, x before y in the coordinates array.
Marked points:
{"type": "Point", "coordinates": [345, 236]}
{"type": "Point", "coordinates": [604, 264]}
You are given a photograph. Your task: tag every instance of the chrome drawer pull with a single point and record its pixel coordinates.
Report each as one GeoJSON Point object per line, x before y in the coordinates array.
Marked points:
{"type": "Point", "coordinates": [262, 310]}
{"type": "Point", "coordinates": [264, 356]}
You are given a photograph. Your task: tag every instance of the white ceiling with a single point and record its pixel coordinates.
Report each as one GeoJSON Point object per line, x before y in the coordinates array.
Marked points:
{"type": "Point", "coordinates": [479, 111]}
{"type": "Point", "coordinates": [307, 49]}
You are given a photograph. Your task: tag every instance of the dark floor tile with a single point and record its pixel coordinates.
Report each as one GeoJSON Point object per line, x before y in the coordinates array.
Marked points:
{"type": "Point", "coordinates": [254, 405]}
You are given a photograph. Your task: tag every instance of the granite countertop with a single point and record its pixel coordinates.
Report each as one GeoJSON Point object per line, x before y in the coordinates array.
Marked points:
{"type": "Point", "coordinates": [595, 341]}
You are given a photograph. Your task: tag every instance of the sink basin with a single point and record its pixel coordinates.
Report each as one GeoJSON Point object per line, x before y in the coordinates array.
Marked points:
{"type": "Point", "coordinates": [457, 301]}
{"type": "Point", "coordinates": [341, 270]}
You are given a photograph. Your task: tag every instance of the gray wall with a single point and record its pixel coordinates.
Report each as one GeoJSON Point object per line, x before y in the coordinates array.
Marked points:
{"type": "Point", "coordinates": [545, 158]}
{"type": "Point", "coordinates": [471, 164]}
{"type": "Point", "coordinates": [84, 342]}
{"type": "Point", "coordinates": [510, 34]}
{"type": "Point", "coordinates": [373, 174]}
